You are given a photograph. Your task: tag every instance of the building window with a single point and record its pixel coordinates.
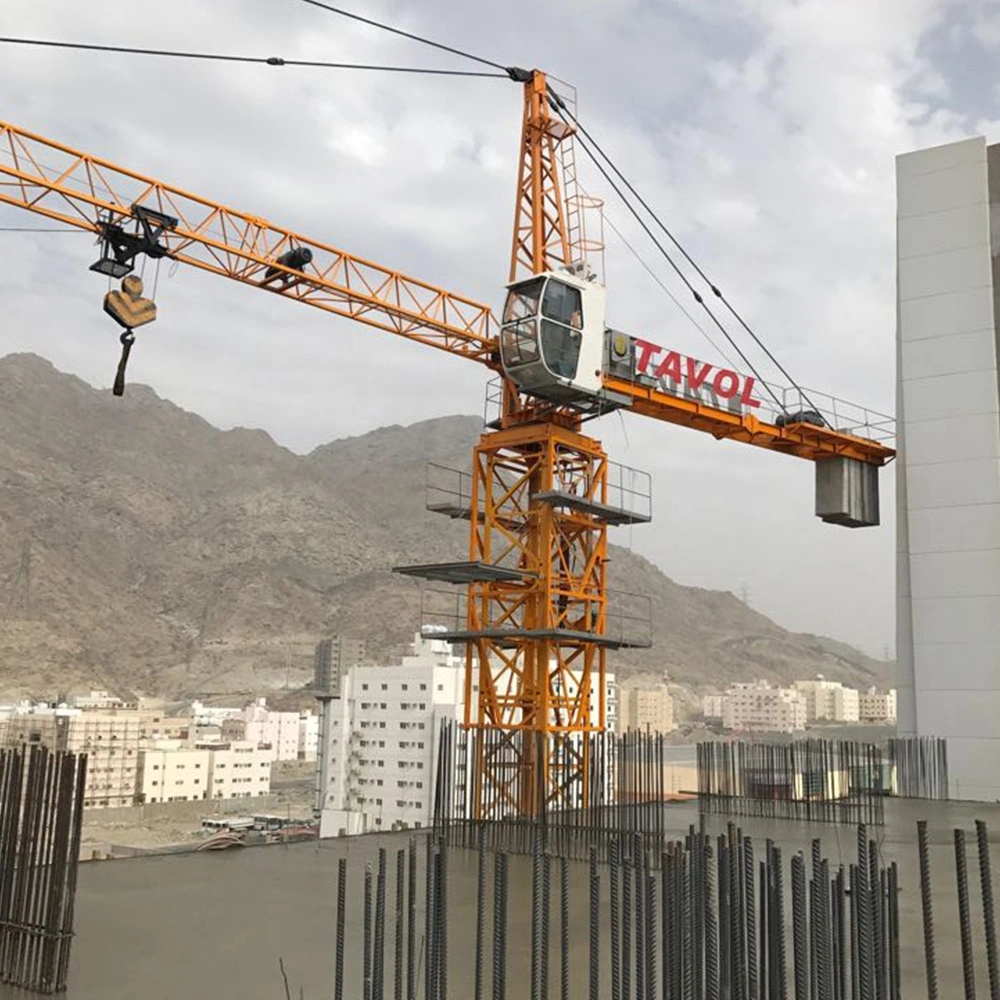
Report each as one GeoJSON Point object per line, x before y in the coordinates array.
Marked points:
{"type": "Point", "coordinates": [440, 687]}
{"type": "Point", "coordinates": [364, 687]}
{"type": "Point", "coordinates": [385, 687]}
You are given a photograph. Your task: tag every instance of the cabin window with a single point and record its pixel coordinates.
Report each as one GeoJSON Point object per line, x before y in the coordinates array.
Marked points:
{"type": "Point", "coordinates": [561, 325]}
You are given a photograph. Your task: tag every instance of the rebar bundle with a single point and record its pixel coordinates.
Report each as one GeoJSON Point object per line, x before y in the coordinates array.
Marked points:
{"type": "Point", "coordinates": [41, 816]}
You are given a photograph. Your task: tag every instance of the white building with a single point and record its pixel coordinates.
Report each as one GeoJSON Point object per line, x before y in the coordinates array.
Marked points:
{"type": "Point", "coordinates": [645, 709]}
{"type": "Point", "coordinates": [378, 769]}
{"type": "Point", "coordinates": [758, 706]}
{"type": "Point", "coordinates": [381, 755]}
{"type": "Point", "coordinates": [109, 737]}
{"type": "Point", "coordinates": [878, 706]}
{"type": "Point", "coordinates": [948, 470]}
{"type": "Point", "coordinates": [212, 715]}
{"type": "Point", "coordinates": [711, 706]}
{"type": "Point", "coordinates": [828, 701]}
{"type": "Point", "coordinates": [174, 771]}
{"type": "Point", "coordinates": [278, 732]}
{"type": "Point", "coordinates": [308, 736]}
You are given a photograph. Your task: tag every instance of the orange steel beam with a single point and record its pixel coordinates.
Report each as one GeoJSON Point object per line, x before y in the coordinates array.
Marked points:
{"type": "Point", "coordinates": [540, 236]}
{"type": "Point", "coordinates": [77, 189]}
{"type": "Point", "coordinates": [80, 190]}
{"type": "Point", "coordinates": [799, 440]}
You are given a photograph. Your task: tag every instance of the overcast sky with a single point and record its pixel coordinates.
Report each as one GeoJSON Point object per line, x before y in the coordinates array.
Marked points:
{"type": "Point", "coordinates": [763, 131]}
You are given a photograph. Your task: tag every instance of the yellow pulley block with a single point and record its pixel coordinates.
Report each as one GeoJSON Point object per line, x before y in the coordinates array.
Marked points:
{"type": "Point", "coordinates": [128, 308]}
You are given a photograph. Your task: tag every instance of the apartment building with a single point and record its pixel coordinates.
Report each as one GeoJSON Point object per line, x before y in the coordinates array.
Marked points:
{"type": "Point", "coordinates": [711, 706]}
{"type": "Point", "coordinates": [828, 701]}
{"type": "Point", "coordinates": [758, 706]}
{"type": "Point", "coordinates": [380, 738]}
{"type": "Point", "coordinates": [645, 708]}
{"type": "Point", "coordinates": [877, 706]}
{"type": "Point", "coordinates": [381, 753]}
{"type": "Point", "coordinates": [109, 737]}
{"type": "Point", "coordinates": [175, 771]}
{"type": "Point", "coordinates": [308, 736]}
{"type": "Point", "coordinates": [285, 735]}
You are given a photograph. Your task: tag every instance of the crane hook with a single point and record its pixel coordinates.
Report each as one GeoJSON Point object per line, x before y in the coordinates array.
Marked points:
{"type": "Point", "coordinates": [127, 340]}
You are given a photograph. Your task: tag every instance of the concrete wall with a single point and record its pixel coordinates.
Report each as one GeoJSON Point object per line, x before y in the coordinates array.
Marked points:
{"type": "Point", "coordinates": [948, 473]}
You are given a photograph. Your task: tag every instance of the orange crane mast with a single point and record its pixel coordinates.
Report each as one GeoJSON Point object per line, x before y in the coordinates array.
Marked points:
{"type": "Point", "coordinates": [536, 619]}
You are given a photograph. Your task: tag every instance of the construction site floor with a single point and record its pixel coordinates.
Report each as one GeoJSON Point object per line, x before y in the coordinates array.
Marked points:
{"type": "Point", "coordinates": [216, 925]}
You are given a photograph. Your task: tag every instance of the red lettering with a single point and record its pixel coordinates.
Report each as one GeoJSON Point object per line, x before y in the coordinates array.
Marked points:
{"type": "Point", "coordinates": [695, 379]}
{"type": "Point", "coordinates": [646, 352]}
{"type": "Point", "coordinates": [670, 366]}
{"type": "Point", "coordinates": [732, 381]}
{"type": "Point", "coordinates": [745, 398]}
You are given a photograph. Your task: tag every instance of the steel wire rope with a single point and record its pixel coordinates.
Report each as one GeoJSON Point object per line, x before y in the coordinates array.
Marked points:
{"type": "Point", "coordinates": [406, 34]}
{"type": "Point", "coordinates": [680, 274]}
{"type": "Point", "coordinates": [561, 106]}
{"type": "Point", "coordinates": [647, 267]}
{"type": "Point", "coordinates": [262, 60]}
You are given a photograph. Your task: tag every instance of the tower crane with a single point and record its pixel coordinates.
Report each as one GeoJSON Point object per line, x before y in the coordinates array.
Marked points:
{"type": "Point", "coordinates": [539, 503]}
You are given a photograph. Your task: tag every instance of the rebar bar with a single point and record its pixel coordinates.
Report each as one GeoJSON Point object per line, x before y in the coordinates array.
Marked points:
{"type": "Point", "coordinates": [338, 974]}
{"type": "Point", "coordinates": [926, 902]}
{"type": "Point", "coordinates": [800, 927]}
{"type": "Point", "coordinates": [964, 917]}
{"type": "Point", "coordinates": [989, 913]}
{"type": "Point", "coordinates": [594, 964]}
{"type": "Point", "coordinates": [564, 928]}
{"type": "Point", "coordinates": [378, 946]}
{"type": "Point", "coordinates": [477, 988]}
{"type": "Point", "coordinates": [499, 927]}
{"type": "Point", "coordinates": [398, 927]}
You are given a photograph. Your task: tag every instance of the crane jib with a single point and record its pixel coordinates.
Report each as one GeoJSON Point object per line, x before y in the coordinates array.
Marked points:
{"type": "Point", "coordinates": [679, 372]}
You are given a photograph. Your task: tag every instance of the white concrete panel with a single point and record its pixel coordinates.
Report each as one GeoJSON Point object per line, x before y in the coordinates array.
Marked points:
{"type": "Point", "coordinates": [958, 619]}
{"type": "Point", "coordinates": [946, 484]}
{"type": "Point", "coordinates": [964, 394]}
{"type": "Point", "coordinates": [972, 666]}
{"type": "Point", "coordinates": [948, 271]}
{"type": "Point", "coordinates": [954, 529]}
{"type": "Point", "coordinates": [956, 574]}
{"type": "Point", "coordinates": [941, 190]}
{"type": "Point", "coordinates": [955, 439]}
{"type": "Point", "coordinates": [906, 711]}
{"type": "Point", "coordinates": [951, 154]}
{"type": "Point", "coordinates": [944, 315]}
{"type": "Point", "coordinates": [960, 352]}
{"type": "Point", "coordinates": [959, 713]}
{"type": "Point", "coordinates": [965, 226]}
{"type": "Point", "coordinates": [974, 769]}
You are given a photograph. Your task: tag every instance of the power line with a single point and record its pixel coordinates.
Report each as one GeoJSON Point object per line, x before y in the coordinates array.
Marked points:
{"type": "Point", "coordinates": [715, 290]}
{"type": "Point", "coordinates": [406, 34]}
{"type": "Point", "coordinates": [264, 60]}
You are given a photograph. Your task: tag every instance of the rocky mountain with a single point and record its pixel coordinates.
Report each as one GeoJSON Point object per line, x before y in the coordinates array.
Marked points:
{"type": "Point", "coordinates": [145, 550]}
